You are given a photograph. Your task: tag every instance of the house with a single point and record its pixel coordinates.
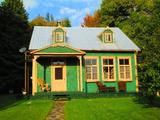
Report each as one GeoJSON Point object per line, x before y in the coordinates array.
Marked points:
{"type": "Point", "coordinates": [75, 59]}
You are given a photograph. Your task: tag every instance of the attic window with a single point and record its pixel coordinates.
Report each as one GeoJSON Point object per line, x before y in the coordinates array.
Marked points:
{"type": "Point", "coordinates": [58, 35]}
{"type": "Point", "coordinates": [107, 37]}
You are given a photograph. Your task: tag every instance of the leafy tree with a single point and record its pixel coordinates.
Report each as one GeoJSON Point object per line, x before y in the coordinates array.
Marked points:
{"type": "Point", "coordinates": [66, 22]}
{"type": "Point", "coordinates": [14, 34]}
{"type": "Point", "coordinates": [48, 21]}
{"type": "Point", "coordinates": [92, 21]}
{"type": "Point", "coordinates": [140, 20]}
{"type": "Point", "coordinates": [38, 21]}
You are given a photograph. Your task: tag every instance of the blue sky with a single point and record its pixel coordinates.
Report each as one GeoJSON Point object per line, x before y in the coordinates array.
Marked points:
{"type": "Point", "coordinates": [75, 10]}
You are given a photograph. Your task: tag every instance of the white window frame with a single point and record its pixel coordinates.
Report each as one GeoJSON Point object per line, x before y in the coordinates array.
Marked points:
{"type": "Point", "coordinates": [97, 64]}
{"type": "Point", "coordinates": [114, 68]}
{"type": "Point", "coordinates": [130, 65]}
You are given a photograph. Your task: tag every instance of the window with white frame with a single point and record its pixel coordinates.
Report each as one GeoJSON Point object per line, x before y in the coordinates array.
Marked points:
{"type": "Point", "coordinates": [91, 69]}
{"type": "Point", "coordinates": [108, 68]}
{"type": "Point", "coordinates": [125, 68]}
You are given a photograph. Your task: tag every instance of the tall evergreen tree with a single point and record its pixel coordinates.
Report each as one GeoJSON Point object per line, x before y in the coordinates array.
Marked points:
{"type": "Point", "coordinates": [14, 34]}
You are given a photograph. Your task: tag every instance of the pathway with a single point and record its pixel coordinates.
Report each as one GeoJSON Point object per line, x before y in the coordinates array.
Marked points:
{"type": "Point", "coordinates": [58, 111]}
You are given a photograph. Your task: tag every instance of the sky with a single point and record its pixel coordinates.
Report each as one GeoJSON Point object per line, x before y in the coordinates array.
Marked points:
{"type": "Point", "coordinates": [75, 10]}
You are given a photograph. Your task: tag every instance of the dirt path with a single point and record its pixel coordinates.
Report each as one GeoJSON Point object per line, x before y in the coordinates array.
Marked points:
{"type": "Point", "coordinates": [58, 111]}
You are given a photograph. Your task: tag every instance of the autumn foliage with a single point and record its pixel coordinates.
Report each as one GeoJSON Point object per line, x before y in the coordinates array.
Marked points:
{"type": "Point", "coordinates": [92, 21]}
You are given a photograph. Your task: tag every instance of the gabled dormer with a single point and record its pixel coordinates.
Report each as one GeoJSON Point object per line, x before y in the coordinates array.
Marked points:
{"type": "Point", "coordinates": [107, 36]}
{"type": "Point", "coordinates": [59, 35]}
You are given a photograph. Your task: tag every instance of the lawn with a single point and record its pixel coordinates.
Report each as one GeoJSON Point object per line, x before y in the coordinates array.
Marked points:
{"type": "Point", "coordinates": [124, 108]}
{"type": "Point", "coordinates": [11, 109]}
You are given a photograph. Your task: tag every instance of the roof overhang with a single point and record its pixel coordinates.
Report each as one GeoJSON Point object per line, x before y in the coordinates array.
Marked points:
{"type": "Point", "coordinates": [58, 49]}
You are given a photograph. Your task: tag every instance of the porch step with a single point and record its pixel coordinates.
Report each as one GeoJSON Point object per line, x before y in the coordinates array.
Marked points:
{"type": "Point", "coordinates": [61, 97]}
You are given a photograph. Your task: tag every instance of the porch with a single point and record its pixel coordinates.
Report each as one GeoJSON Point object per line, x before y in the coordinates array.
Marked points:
{"type": "Point", "coordinates": [57, 68]}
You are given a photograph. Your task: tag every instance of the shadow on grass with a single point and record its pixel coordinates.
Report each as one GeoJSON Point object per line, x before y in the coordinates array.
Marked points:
{"type": "Point", "coordinates": [7, 101]}
{"type": "Point", "coordinates": [146, 102]}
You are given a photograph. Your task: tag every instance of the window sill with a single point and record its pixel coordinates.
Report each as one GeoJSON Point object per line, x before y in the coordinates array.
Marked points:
{"type": "Point", "coordinates": [124, 80]}
{"type": "Point", "coordinates": [92, 81]}
{"type": "Point", "coordinates": [109, 80]}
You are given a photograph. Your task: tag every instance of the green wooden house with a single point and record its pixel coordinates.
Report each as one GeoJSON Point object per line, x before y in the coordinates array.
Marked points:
{"type": "Point", "coordinates": [80, 59]}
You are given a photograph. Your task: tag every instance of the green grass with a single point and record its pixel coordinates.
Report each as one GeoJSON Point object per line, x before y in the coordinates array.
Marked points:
{"type": "Point", "coordinates": [11, 109]}
{"type": "Point", "coordinates": [124, 108]}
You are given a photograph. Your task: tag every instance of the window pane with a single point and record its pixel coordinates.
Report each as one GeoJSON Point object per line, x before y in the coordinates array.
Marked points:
{"type": "Point", "coordinates": [94, 75]}
{"type": "Point", "coordinates": [88, 62]}
{"type": "Point", "coordinates": [89, 76]}
{"type": "Point", "coordinates": [110, 61]}
{"type": "Point", "coordinates": [127, 72]}
{"type": "Point", "coordinates": [111, 73]}
{"type": "Point", "coordinates": [127, 68]}
{"type": "Point", "coordinates": [105, 62]}
{"type": "Point", "coordinates": [58, 73]}
{"type": "Point", "coordinates": [121, 61]}
{"type": "Point", "coordinates": [94, 69]}
{"type": "Point", "coordinates": [109, 37]}
{"type": "Point", "coordinates": [126, 61]}
{"type": "Point", "coordinates": [121, 68]}
{"type": "Point", "coordinates": [122, 75]}
{"type": "Point", "coordinates": [94, 62]}
{"type": "Point", "coordinates": [105, 72]}
{"type": "Point", "coordinates": [127, 75]}
{"type": "Point", "coordinates": [88, 69]}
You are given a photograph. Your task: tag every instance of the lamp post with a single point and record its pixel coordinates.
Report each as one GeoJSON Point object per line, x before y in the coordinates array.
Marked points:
{"type": "Point", "coordinates": [24, 50]}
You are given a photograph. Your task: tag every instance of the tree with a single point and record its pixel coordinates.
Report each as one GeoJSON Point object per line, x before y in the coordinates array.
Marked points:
{"type": "Point", "coordinates": [140, 20]}
{"type": "Point", "coordinates": [66, 22]}
{"type": "Point", "coordinates": [92, 21]}
{"type": "Point", "coordinates": [14, 34]}
{"type": "Point", "coordinates": [38, 21]}
{"type": "Point", "coordinates": [48, 21]}
{"type": "Point", "coordinates": [49, 17]}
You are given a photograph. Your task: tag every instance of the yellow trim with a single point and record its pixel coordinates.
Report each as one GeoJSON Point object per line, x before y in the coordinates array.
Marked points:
{"type": "Point", "coordinates": [136, 71]}
{"type": "Point", "coordinates": [97, 59]}
{"type": "Point", "coordinates": [64, 76]}
{"type": "Point", "coordinates": [78, 75]}
{"type": "Point", "coordinates": [34, 75]}
{"type": "Point", "coordinates": [61, 34]}
{"type": "Point", "coordinates": [57, 45]}
{"type": "Point", "coordinates": [125, 57]}
{"type": "Point", "coordinates": [103, 35]}
{"type": "Point", "coordinates": [43, 53]}
{"type": "Point", "coordinates": [114, 66]}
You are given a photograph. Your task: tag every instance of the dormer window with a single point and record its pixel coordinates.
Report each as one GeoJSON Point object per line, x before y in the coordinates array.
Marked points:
{"type": "Point", "coordinates": [59, 35]}
{"type": "Point", "coordinates": [107, 36]}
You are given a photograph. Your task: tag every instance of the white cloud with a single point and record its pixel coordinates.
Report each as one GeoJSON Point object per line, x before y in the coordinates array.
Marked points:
{"type": "Point", "coordinates": [48, 4]}
{"type": "Point", "coordinates": [79, 15]}
{"type": "Point", "coordinates": [28, 4]}
{"type": "Point", "coordinates": [66, 10]}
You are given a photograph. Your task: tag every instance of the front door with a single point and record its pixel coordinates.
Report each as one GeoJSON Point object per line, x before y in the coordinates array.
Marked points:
{"type": "Point", "coordinates": [58, 78]}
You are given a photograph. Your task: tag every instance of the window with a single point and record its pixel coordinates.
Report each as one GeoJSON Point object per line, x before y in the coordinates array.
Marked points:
{"type": "Point", "coordinates": [107, 37]}
{"type": "Point", "coordinates": [91, 69]}
{"type": "Point", "coordinates": [59, 37]}
{"type": "Point", "coordinates": [108, 68]}
{"type": "Point", "coordinates": [58, 73]}
{"type": "Point", "coordinates": [125, 68]}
